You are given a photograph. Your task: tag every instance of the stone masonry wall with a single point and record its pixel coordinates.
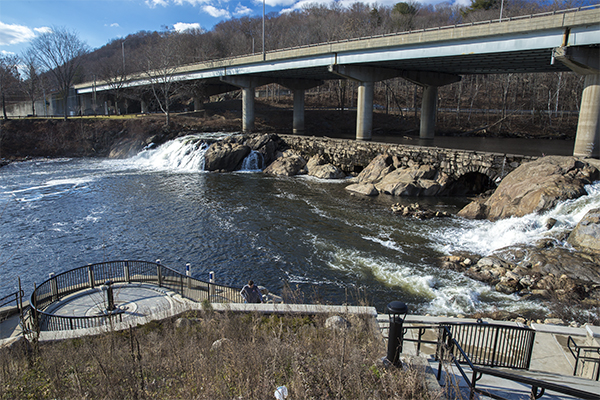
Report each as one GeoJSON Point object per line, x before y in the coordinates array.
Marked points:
{"type": "Point", "coordinates": [352, 156]}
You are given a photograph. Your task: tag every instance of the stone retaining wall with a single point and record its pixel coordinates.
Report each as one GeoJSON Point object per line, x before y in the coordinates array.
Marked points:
{"type": "Point", "coordinates": [352, 156]}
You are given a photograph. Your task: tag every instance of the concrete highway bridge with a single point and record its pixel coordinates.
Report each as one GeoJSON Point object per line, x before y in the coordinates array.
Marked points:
{"type": "Point", "coordinates": [568, 40]}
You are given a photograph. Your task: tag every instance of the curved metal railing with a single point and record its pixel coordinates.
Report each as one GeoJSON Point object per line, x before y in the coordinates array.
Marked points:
{"type": "Point", "coordinates": [95, 275]}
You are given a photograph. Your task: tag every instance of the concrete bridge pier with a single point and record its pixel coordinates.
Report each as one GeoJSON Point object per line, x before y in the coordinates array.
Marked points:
{"type": "Point", "coordinates": [430, 82]}
{"type": "Point", "coordinates": [298, 87]}
{"type": "Point", "coordinates": [247, 84]}
{"type": "Point", "coordinates": [587, 141]}
{"type": "Point", "coordinates": [428, 112]}
{"type": "Point", "coordinates": [366, 78]}
{"type": "Point", "coordinates": [585, 61]}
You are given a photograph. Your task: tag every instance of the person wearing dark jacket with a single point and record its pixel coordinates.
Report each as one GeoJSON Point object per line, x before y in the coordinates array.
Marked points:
{"type": "Point", "coordinates": [251, 293]}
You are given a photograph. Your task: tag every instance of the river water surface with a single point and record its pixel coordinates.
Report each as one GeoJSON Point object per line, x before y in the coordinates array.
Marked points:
{"type": "Point", "coordinates": [306, 233]}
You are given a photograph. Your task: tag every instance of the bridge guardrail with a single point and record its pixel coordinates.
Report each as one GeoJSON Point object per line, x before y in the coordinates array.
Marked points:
{"type": "Point", "coordinates": [126, 271]}
{"type": "Point", "coordinates": [519, 17]}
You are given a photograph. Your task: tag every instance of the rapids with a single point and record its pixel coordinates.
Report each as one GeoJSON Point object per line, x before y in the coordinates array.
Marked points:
{"type": "Point", "coordinates": [308, 234]}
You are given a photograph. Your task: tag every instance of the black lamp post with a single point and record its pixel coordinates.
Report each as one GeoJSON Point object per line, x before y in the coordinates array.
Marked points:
{"type": "Point", "coordinates": [397, 311]}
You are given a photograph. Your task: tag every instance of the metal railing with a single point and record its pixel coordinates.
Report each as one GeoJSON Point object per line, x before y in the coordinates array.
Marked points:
{"type": "Point", "coordinates": [587, 355]}
{"type": "Point", "coordinates": [7, 300]}
{"type": "Point", "coordinates": [94, 275]}
{"type": "Point", "coordinates": [493, 345]}
{"type": "Point", "coordinates": [450, 351]}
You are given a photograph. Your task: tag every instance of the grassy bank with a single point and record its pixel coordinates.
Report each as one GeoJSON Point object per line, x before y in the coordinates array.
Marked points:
{"type": "Point", "coordinates": [212, 356]}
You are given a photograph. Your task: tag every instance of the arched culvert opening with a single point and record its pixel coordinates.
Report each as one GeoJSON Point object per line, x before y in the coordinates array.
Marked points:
{"type": "Point", "coordinates": [470, 184]}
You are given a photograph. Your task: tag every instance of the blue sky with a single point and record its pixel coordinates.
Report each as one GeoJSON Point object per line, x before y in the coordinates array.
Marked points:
{"type": "Point", "coordinates": [99, 21]}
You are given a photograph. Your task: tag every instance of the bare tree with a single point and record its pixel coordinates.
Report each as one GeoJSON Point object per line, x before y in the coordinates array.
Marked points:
{"type": "Point", "coordinates": [161, 62]}
{"type": "Point", "coordinates": [31, 82]}
{"type": "Point", "coordinates": [60, 52]}
{"type": "Point", "coordinates": [9, 78]}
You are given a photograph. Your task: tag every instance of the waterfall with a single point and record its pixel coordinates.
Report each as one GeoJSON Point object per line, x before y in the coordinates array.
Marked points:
{"type": "Point", "coordinates": [253, 161]}
{"type": "Point", "coordinates": [185, 154]}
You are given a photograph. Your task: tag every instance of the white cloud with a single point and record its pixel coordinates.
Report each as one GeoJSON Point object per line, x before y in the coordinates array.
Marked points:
{"type": "Point", "coordinates": [7, 53]}
{"type": "Point", "coordinates": [154, 3]}
{"type": "Point", "coordinates": [216, 12]}
{"type": "Point", "coordinates": [182, 26]}
{"type": "Point", "coordinates": [278, 3]}
{"type": "Point", "coordinates": [299, 5]}
{"type": "Point", "coordinates": [43, 29]}
{"type": "Point", "coordinates": [14, 34]}
{"type": "Point", "coordinates": [241, 10]}
{"type": "Point", "coordinates": [191, 2]}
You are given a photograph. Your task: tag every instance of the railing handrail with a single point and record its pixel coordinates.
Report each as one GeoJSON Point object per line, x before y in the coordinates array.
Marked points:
{"type": "Point", "coordinates": [446, 345]}
{"type": "Point", "coordinates": [11, 297]}
{"type": "Point", "coordinates": [576, 353]}
{"type": "Point", "coordinates": [121, 271]}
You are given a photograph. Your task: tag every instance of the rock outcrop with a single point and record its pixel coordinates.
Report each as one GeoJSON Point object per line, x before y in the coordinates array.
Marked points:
{"type": "Point", "coordinates": [586, 234]}
{"type": "Point", "coordinates": [550, 273]}
{"type": "Point", "coordinates": [287, 164]}
{"type": "Point", "coordinates": [229, 154]}
{"type": "Point", "coordinates": [536, 186]}
{"type": "Point", "coordinates": [318, 167]}
{"type": "Point", "coordinates": [386, 175]}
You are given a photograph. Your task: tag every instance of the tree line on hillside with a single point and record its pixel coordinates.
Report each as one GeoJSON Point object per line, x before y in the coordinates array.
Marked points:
{"type": "Point", "coordinates": [38, 71]}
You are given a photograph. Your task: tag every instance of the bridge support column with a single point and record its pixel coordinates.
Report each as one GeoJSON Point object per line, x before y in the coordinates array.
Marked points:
{"type": "Point", "coordinates": [430, 82]}
{"type": "Point", "coordinates": [585, 61]}
{"type": "Point", "coordinates": [428, 112]}
{"type": "Point", "coordinates": [248, 116]}
{"type": "Point", "coordinates": [197, 103]}
{"type": "Point", "coordinates": [298, 122]}
{"type": "Point", "coordinates": [298, 87]}
{"type": "Point", "coordinates": [366, 77]}
{"type": "Point", "coordinates": [587, 141]}
{"type": "Point", "coordinates": [364, 111]}
{"type": "Point", "coordinates": [247, 84]}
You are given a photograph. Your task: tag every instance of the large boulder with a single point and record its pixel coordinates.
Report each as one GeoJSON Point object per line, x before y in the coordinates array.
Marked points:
{"type": "Point", "coordinates": [385, 175]}
{"type": "Point", "coordinates": [318, 167]}
{"type": "Point", "coordinates": [225, 156]}
{"type": "Point", "coordinates": [536, 186]}
{"type": "Point", "coordinates": [379, 167]}
{"type": "Point", "coordinates": [366, 189]}
{"type": "Point", "coordinates": [586, 234]}
{"type": "Point", "coordinates": [288, 164]}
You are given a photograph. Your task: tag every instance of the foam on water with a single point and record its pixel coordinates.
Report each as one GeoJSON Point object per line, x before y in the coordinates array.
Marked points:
{"type": "Point", "coordinates": [484, 237]}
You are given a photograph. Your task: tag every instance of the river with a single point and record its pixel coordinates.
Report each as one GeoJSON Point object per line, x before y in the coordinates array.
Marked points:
{"type": "Point", "coordinates": [308, 234]}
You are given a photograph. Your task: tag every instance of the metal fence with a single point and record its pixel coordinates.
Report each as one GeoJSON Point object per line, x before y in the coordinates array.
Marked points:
{"type": "Point", "coordinates": [95, 275]}
{"type": "Point", "coordinates": [493, 345]}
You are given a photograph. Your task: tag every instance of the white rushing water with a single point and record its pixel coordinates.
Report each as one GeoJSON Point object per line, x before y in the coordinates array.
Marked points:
{"type": "Point", "coordinates": [485, 237]}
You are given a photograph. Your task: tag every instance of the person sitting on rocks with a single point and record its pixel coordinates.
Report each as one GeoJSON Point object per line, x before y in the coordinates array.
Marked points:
{"type": "Point", "coordinates": [251, 293]}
